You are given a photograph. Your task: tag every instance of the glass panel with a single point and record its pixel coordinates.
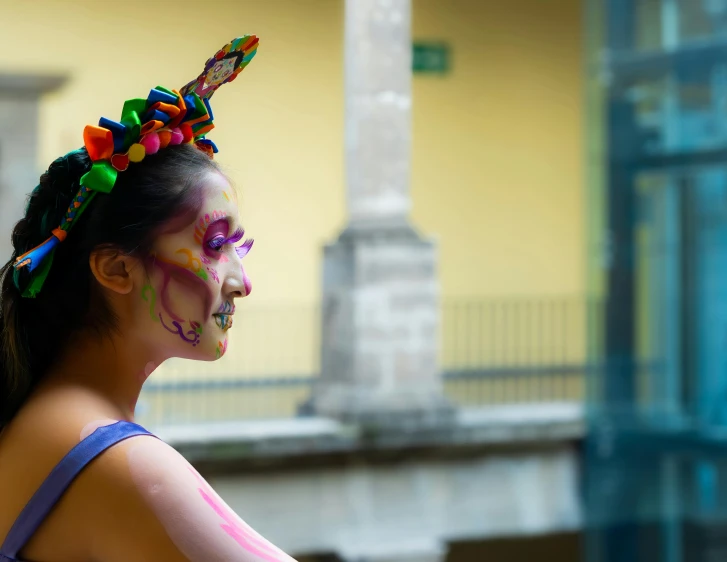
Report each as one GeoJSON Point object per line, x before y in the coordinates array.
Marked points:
{"type": "Point", "coordinates": [682, 110]}
{"type": "Point", "coordinates": [702, 19]}
{"type": "Point", "coordinates": [656, 461]}
{"type": "Point", "coordinates": [657, 288]}
{"type": "Point", "coordinates": [709, 337]}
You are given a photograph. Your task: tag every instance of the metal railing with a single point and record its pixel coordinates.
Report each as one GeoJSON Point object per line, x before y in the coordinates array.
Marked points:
{"type": "Point", "coordinates": [492, 352]}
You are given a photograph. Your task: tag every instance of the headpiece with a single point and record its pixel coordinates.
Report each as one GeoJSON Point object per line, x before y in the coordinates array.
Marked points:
{"type": "Point", "coordinates": [166, 117]}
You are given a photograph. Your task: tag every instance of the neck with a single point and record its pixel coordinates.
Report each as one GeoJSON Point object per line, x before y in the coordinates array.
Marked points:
{"type": "Point", "coordinates": [111, 369]}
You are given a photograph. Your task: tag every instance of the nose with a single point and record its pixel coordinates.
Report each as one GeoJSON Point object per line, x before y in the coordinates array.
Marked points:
{"type": "Point", "coordinates": [237, 285]}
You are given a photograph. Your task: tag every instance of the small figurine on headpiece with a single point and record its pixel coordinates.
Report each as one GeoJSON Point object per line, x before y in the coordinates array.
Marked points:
{"type": "Point", "coordinates": [224, 67]}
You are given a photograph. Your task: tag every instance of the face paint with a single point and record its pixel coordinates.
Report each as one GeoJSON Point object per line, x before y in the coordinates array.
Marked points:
{"type": "Point", "coordinates": [226, 308]}
{"type": "Point", "coordinates": [149, 294]}
{"type": "Point", "coordinates": [192, 263]}
{"type": "Point", "coordinates": [213, 274]}
{"type": "Point", "coordinates": [187, 278]}
{"type": "Point", "coordinates": [204, 222]}
{"type": "Point", "coordinates": [191, 269]}
{"type": "Point", "coordinates": [191, 336]}
{"type": "Point", "coordinates": [221, 348]}
{"type": "Point", "coordinates": [223, 321]}
{"type": "Point", "coordinates": [246, 282]}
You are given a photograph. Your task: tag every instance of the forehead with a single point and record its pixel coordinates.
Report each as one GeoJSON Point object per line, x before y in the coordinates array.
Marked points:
{"type": "Point", "coordinates": [216, 195]}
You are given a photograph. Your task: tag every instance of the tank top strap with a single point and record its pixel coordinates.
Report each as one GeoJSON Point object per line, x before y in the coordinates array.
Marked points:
{"type": "Point", "coordinates": [62, 475]}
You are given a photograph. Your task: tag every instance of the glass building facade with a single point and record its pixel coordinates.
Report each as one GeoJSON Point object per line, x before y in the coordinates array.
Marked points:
{"type": "Point", "coordinates": [656, 452]}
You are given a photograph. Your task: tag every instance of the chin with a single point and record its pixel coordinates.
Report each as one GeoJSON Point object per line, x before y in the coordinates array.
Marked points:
{"type": "Point", "coordinates": [207, 349]}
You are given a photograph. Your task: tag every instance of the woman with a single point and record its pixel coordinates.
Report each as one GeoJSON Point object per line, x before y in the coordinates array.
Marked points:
{"type": "Point", "coordinates": [144, 265]}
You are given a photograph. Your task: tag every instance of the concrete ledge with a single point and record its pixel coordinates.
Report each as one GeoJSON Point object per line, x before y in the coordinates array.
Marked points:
{"type": "Point", "coordinates": [248, 441]}
{"type": "Point", "coordinates": [37, 84]}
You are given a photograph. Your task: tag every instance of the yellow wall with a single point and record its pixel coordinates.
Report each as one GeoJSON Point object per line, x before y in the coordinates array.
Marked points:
{"type": "Point", "coordinates": [496, 172]}
{"type": "Point", "coordinates": [498, 157]}
{"type": "Point", "coordinates": [497, 143]}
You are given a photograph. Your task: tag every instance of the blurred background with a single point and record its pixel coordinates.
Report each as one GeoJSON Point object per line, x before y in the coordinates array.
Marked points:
{"type": "Point", "coordinates": [487, 318]}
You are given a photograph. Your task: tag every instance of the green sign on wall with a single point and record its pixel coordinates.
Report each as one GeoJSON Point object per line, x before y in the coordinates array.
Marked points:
{"type": "Point", "coordinates": [430, 58]}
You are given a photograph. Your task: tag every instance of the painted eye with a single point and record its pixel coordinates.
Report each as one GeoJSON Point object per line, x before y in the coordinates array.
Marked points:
{"type": "Point", "coordinates": [216, 243]}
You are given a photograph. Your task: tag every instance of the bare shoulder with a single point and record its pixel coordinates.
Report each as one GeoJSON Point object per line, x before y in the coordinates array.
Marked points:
{"type": "Point", "coordinates": [42, 433]}
{"type": "Point", "coordinates": [118, 489]}
{"type": "Point", "coordinates": [151, 504]}
{"type": "Point", "coordinates": [138, 500]}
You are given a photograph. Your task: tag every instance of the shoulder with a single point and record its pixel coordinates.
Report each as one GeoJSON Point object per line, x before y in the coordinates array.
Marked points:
{"type": "Point", "coordinates": [102, 509]}
{"type": "Point", "coordinates": [145, 489]}
{"type": "Point", "coordinates": [126, 492]}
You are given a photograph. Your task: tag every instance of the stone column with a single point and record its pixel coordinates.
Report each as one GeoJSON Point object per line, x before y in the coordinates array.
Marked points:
{"type": "Point", "coordinates": [380, 290]}
{"type": "Point", "coordinates": [19, 105]}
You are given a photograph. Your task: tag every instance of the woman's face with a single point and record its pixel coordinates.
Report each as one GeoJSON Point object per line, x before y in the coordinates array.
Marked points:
{"type": "Point", "coordinates": [194, 275]}
{"type": "Point", "coordinates": [220, 72]}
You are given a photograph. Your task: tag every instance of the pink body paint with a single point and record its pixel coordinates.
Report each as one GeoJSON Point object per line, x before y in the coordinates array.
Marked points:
{"type": "Point", "coordinates": [243, 534]}
{"type": "Point", "coordinates": [190, 511]}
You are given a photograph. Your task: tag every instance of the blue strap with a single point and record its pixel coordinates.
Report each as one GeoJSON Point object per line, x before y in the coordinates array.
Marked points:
{"type": "Point", "coordinates": [62, 475]}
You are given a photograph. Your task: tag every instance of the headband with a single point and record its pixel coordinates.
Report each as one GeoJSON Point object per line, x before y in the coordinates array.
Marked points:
{"type": "Point", "coordinates": [165, 118]}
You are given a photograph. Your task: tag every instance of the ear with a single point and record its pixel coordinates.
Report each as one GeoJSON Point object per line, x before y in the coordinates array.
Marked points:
{"type": "Point", "coordinates": [112, 270]}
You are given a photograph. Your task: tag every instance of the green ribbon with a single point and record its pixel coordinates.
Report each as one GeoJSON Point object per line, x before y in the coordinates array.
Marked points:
{"type": "Point", "coordinates": [133, 108]}
{"type": "Point", "coordinates": [101, 177]}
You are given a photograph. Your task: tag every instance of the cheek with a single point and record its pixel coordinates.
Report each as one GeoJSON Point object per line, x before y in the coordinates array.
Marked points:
{"type": "Point", "coordinates": [176, 288]}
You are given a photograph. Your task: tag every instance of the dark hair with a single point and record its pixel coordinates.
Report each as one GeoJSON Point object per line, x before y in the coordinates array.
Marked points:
{"type": "Point", "coordinates": [34, 330]}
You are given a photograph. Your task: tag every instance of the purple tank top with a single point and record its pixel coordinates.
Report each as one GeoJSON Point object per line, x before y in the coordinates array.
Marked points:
{"type": "Point", "coordinates": [51, 490]}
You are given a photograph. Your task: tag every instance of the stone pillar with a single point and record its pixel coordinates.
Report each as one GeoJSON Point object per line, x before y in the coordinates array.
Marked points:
{"type": "Point", "coordinates": [19, 105]}
{"type": "Point", "coordinates": [380, 290]}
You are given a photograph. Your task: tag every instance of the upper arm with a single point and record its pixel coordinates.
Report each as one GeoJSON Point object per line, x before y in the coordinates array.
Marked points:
{"type": "Point", "coordinates": [149, 503]}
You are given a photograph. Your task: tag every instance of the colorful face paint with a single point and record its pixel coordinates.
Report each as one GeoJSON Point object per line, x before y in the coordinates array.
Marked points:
{"type": "Point", "coordinates": [183, 276]}
{"type": "Point", "coordinates": [193, 269]}
{"type": "Point", "coordinates": [149, 294]}
{"type": "Point", "coordinates": [191, 263]}
{"type": "Point", "coordinates": [223, 321]}
{"type": "Point", "coordinates": [226, 308]}
{"type": "Point", "coordinates": [191, 336]}
{"type": "Point", "coordinates": [203, 223]}
{"type": "Point", "coordinates": [221, 348]}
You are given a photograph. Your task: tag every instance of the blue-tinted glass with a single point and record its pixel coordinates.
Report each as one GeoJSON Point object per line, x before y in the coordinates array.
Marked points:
{"type": "Point", "coordinates": [656, 452]}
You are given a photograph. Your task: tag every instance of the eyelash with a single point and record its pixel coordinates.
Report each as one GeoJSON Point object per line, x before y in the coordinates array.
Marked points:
{"type": "Point", "coordinates": [218, 242]}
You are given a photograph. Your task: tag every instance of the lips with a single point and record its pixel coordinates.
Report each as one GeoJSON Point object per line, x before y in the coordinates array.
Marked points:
{"type": "Point", "coordinates": [223, 321]}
